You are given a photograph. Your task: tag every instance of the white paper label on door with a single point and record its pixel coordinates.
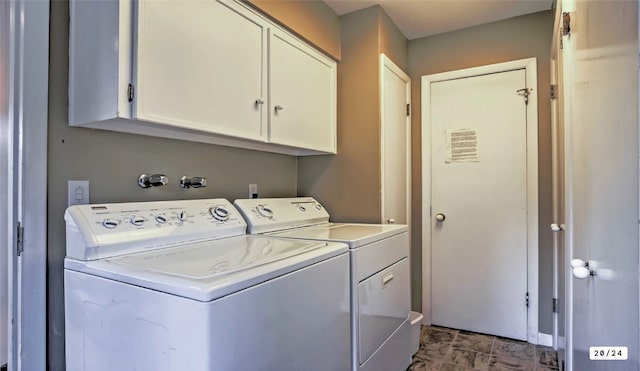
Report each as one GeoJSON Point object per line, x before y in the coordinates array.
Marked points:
{"type": "Point", "coordinates": [462, 145]}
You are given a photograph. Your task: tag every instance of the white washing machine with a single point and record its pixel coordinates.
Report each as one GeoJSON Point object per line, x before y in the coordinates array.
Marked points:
{"type": "Point", "coordinates": [379, 256]}
{"type": "Point", "coordinates": [177, 285]}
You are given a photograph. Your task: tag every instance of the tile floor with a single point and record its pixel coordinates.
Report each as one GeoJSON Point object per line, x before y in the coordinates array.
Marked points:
{"type": "Point", "coordinates": [447, 349]}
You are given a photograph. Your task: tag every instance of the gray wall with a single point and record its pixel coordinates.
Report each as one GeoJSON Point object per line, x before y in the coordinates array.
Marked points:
{"type": "Point", "coordinates": [313, 20]}
{"type": "Point", "coordinates": [349, 183]}
{"type": "Point", "coordinates": [516, 38]}
{"type": "Point", "coordinates": [112, 162]}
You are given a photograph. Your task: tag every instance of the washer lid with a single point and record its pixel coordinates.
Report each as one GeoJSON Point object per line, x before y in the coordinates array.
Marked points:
{"type": "Point", "coordinates": [208, 270]}
{"type": "Point", "coordinates": [353, 234]}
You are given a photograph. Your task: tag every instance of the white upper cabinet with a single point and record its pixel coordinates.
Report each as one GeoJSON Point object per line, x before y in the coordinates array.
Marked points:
{"type": "Point", "coordinates": [207, 71]}
{"type": "Point", "coordinates": [303, 94]}
{"type": "Point", "coordinates": [199, 65]}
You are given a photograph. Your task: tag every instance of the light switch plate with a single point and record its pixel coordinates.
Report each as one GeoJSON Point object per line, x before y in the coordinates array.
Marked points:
{"type": "Point", "coordinates": [77, 192]}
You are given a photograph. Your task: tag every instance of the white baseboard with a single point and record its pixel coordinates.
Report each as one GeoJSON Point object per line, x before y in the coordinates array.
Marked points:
{"type": "Point", "coordinates": [562, 342]}
{"type": "Point", "coordinates": [545, 339]}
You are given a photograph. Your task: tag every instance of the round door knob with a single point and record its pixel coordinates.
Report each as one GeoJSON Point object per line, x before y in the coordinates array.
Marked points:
{"type": "Point", "coordinates": [391, 221]}
{"type": "Point", "coordinates": [440, 217]}
{"type": "Point", "coordinates": [581, 272]}
{"type": "Point", "coordinates": [575, 263]}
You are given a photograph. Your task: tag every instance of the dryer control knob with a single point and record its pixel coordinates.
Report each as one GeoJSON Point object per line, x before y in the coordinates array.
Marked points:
{"type": "Point", "coordinates": [161, 219]}
{"type": "Point", "coordinates": [265, 211]}
{"type": "Point", "coordinates": [137, 221]}
{"type": "Point", "coordinates": [219, 213]}
{"type": "Point", "coordinates": [182, 216]}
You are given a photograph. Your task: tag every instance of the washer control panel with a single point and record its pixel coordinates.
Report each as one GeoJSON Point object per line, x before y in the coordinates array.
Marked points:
{"type": "Point", "coordinates": [154, 218]}
{"type": "Point", "coordinates": [130, 227]}
{"type": "Point", "coordinates": [274, 214]}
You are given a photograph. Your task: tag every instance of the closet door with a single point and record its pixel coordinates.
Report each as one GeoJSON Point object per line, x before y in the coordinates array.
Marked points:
{"type": "Point", "coordinates": [200, 65]}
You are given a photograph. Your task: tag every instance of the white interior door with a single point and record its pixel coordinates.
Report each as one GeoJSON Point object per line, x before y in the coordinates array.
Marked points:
{"type": "Point", "coordinates": [395, 95]}
{"type": "Point", "coordinates": [479, 191]}
{"type": "Point", "coordinates": [600, 69]}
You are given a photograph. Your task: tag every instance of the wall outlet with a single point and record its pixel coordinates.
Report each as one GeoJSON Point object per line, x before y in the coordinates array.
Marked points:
{"type": "Point", "coordinates": [77, 192]}
{"type": "Point", "coordinates": [253, 191]}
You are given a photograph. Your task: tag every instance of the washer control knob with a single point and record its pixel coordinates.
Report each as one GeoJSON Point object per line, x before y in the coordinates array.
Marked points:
{"type": "Point", "coordinates": [219, 213]}
{"type": "Point", "coordinates": [265, 211]}
{"type": "Point", "coordinates": [161, 219]}
{"type": "Point", "coordinates": [137, 221]}
{"type": "Point", "coordinates": [110, 223]}
{"type": "Point", "coordinates": [318, 207]}
{"type": "Point", "coordinates": [302, 208]}
{"type": "Point", "coordinates": [182, 216]}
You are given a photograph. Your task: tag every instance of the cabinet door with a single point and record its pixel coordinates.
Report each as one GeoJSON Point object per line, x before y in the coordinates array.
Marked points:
{"type": "Point", "coordinates": [302, 95]}
{"type": "Point", "coordinates": [199, 65]}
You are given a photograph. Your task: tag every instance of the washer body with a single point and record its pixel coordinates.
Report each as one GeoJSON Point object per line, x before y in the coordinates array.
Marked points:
{"type": "Point", "coordinates": [197, 294]}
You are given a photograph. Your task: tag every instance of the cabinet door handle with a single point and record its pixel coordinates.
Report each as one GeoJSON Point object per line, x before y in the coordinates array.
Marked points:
{"type": "Point", "coordinates": [259, 101]}
{"type": "Point", "coordinates": [278, 108]}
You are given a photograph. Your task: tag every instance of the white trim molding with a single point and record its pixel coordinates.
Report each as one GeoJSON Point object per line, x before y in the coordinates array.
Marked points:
{"type": "Point", "coordinates": [530, 67]}
{"type": "Point", "coordinates": [387, 63]}
{"type": "Point", "coordinates": [28, 116]}
{"type": "Point", "coordinates": [545, 339]}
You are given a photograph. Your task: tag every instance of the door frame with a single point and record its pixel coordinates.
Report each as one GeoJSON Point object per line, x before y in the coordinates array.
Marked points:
{"type": "Point", "coordinates": [25, 181]}
{"type": "Point", "coordinates": [530, 67]}
{"type": "Point", "coordinates": [386, 62]}
{"type": "Point", "coordinates": [556, 179]}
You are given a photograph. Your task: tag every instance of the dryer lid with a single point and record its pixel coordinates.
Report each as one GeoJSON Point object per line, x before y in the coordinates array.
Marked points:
{"type": "Point", "coordinates": [353, 234]}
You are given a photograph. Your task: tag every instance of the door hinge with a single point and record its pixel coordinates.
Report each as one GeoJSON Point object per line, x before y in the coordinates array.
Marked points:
{"type": "Point", "coordinates": [525, 92]}
{"type": "Point", "coordinates": [566, 24]}
{"type": "Point", "coordinates": [130, 93]}
{"type": "Point", "coordinates": [408, 109]}
{"type": "Point", "coordinates": [555, 305]}
{"type": "Point", "coordinates": [20, 239]}
{"type": "Point", "coordinates": [553, 91]}
{"type": "Point", "coordinates": [526, 299]}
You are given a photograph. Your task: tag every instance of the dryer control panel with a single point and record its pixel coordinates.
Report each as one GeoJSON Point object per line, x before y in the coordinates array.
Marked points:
{"type": "Point", "coordinates": [105, 230]}
{"type": "Point", "coordinates": [275, 214]}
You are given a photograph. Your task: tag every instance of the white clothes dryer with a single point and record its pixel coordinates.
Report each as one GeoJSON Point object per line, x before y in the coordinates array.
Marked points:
{"type": "Point", "coordinates": [177, 285]}
{"type": "Point", "coordinates": [379, 258]}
